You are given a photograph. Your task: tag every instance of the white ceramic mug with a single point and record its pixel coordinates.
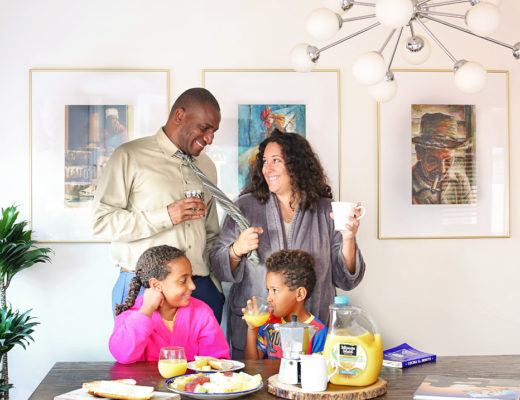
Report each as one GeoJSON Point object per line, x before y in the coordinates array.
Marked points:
{"type": "Point", "coordinates": [342, 210]}
{"type": "Point", "coordinates": [314, 376]}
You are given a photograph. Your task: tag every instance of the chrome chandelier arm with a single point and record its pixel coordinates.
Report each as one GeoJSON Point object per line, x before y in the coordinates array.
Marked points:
{"type": "Point", "coordinates": [358, 18]}
{"type": "Point", "coordinates": [420, 3]}
{"type": "Point", "coordinates": [443, 14]}
{"type": "Point", "coordinates": [410, 25]}
{"type": "Point", "coordinates": [386, 41]}
{"type": "Point", "coordinates": [395, 49]}
{"type": "Point", "coordinates": [361, 3]}
{"type": "Point", "coordinates": [440, 21]}
{"type": "Point", "coordinates": [445, 3]}
{"type": "Point", "coordinates": [349, 37]}
{"type": "Point", "coordinates": [436, 40]}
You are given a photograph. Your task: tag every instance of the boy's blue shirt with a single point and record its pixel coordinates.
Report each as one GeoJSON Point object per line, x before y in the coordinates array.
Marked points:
{"type": "Point", "coordinates": [268, 339]}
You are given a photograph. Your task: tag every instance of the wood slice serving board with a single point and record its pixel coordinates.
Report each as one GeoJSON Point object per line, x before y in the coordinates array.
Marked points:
{"type": "Point", "coordinates": [334, 392]}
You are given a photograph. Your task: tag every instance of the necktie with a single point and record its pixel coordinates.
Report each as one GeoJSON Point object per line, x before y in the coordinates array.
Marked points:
{"type": "Point", "coordinates": [224, 201]}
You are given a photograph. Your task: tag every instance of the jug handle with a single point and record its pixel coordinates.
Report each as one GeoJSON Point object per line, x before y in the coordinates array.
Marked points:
{"type": "Point", "coordinates": [334, 365]}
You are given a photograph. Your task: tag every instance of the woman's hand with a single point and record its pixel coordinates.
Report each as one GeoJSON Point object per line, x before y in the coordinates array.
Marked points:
{"type": "Point", "coordinates": [247, 241]}
{"type": "Point", "coordinates": [152, 300]}
{"type": "Point", "coordinates": [352, 225]}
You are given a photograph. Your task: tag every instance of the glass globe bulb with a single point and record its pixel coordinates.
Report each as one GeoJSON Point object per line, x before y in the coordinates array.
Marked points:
{"type": "Point", "coordinates": [385, 90]}
{"type": "Point", "coordinates": [470, 76]}
{"type": "Point", "coordinates": [369, 68]}
{"type": "Point", "coordinates": [394, 13]}
{"type": "Point", "coordinates": [495, 2]}
{"type": "Point", "coordinates": [301, 59]}
{"type": "Point", "coordinates": [323, 24]}
{"type": "Point", "coordinates": [416, 50]}
{"type": "Point", "coordinates": [483, 18]}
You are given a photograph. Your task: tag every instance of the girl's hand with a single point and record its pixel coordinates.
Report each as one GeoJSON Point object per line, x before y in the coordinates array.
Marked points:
{"type": "Point", "coordinates": [247, 241]}
{"type": "Point", "coordinates": [152, 300]}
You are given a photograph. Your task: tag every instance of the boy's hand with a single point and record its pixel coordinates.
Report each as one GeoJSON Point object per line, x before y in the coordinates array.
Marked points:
{"type": "Point", "coordinates": [152, 299]}
{"type": "Point", "coordinates": [251, 308]}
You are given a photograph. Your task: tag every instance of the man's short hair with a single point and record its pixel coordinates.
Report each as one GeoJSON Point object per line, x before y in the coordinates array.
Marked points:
{"type": "Point", "coordinates": [296, 267]}
{"type": "Point", "coordinates": [195, 96]}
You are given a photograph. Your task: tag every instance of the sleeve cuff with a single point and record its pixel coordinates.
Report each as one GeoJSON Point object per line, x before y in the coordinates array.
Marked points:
{"type": "Point", "coordinates": [159, 218]}
{"type": "Point", "coordinates": [357, 269]}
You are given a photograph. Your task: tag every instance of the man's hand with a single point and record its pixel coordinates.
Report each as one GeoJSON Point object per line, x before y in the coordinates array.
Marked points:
{"type": "Point", "coordinates": [186, 209]}
{"type": "Point", "coordinates": [152, 299]}
{"type": "Point", "coordinates": [247, 241]}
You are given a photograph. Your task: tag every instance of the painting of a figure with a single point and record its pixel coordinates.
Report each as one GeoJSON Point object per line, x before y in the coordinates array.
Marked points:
{"type": "Point", "coordinates": [256, 122]}
{"type": "Point", "coordinates": [443, 154]}
{"type": "Point", "coordinates": [92, 133]}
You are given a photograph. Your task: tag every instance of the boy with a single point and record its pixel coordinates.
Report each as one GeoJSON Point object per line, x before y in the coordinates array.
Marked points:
{"type": "Point", "coordinates": [290, 280]}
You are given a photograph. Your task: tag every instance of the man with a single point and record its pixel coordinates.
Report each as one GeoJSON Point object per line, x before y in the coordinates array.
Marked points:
{"type": "Point", "coordinates": [435, 179]}
{"type": "Point", "coordinates": [140, 200]}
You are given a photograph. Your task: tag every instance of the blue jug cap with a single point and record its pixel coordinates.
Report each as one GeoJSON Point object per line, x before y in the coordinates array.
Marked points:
{"type": "Point", "coordinates": [341, 300]}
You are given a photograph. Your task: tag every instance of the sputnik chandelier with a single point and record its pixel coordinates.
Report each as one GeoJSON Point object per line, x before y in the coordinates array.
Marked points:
{"type": "Point", "coordinates": [481, 19]}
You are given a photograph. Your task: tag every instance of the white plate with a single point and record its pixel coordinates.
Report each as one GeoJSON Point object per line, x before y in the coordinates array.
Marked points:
{"type": "Point", "coordinates": [236, 366]}
{"type": "Point", "coordinates": [206, 396]}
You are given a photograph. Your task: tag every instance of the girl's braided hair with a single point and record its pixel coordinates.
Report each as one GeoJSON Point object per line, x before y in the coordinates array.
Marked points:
{"type": "Point", "coordinates": [153, 263]}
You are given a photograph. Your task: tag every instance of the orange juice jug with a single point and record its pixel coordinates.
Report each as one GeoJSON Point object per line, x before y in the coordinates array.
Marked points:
{"type": "Point", "coordinates": [353, 348]}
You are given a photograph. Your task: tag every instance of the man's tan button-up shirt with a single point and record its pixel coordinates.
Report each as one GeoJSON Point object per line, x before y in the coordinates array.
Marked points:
{"type": "Point", "coordinates": [139, 181]}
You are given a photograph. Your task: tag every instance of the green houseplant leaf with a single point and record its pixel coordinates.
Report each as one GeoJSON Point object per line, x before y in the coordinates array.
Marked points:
{"type": "Point", "coordinates": [18, 251]}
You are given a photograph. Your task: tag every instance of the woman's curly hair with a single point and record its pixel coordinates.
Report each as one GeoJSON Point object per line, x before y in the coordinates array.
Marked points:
{"type": "Point", "coordinates": [153, 263]}
{"type": "Point", "coordinates": [296, 267]}
{"type": "Point", "coordinates": [308, 180]}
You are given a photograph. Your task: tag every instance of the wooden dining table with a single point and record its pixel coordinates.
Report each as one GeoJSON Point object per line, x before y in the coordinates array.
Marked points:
{"type": "Point", "coordinates": [67, 376]}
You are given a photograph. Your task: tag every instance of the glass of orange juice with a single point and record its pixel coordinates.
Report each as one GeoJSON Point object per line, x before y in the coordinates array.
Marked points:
{"type": "Point", "coordinates": [256, 312]}
{"type": "Point", "coordinates": [172, 361]}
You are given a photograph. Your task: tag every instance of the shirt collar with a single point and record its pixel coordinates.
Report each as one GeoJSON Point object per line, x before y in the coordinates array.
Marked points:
{"type": "Point", "coordinates": [165, 143]}
{"type": "Point", "coordinates": [307, 321]}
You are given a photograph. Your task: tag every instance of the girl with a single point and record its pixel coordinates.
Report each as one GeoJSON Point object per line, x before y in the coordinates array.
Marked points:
{"type": "Point", "coordinates": [166, 314]}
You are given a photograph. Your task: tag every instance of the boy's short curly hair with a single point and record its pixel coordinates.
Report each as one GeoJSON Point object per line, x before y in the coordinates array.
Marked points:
{"type": "Point", "coordinates": [296, 267]}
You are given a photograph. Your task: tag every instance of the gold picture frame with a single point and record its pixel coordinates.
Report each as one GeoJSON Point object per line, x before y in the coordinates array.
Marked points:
{"type": "Point", "coordinates": [75, 115]}
{"type": "Point", "coordinates": [489, 215]}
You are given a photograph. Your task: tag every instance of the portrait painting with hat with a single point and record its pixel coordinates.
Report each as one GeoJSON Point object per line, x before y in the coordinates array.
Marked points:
{"type": "Point", "coordinates": [439, 175]}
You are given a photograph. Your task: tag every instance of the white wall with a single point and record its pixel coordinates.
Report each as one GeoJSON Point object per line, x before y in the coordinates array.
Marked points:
{"type": "Point", "coordinates": [445, 296]}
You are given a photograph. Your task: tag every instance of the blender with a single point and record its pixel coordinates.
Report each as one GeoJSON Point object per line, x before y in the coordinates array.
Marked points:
{"type": "Point", "coordinates": [295, 338]}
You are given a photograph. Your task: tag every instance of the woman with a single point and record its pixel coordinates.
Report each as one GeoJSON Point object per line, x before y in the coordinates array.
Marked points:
{"type": "Point", "coordinates": [288, 204]}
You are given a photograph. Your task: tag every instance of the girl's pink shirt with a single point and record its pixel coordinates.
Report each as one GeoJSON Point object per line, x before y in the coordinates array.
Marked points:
{"type": "Point", "coordinates": [137, 337]}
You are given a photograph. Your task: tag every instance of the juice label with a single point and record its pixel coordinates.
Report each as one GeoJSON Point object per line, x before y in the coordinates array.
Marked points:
{"type": "Point", "coordinates": [350, 359]}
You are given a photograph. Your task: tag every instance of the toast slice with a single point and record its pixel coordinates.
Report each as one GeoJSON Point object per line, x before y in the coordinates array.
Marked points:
{"type": "Point", "coordinates": [220, 364]}
{"type": "Point", "coordinates": [119, 390]}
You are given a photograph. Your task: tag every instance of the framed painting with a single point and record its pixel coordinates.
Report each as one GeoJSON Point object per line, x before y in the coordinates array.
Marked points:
{"type": "Point", "coordinates": [444, 158]}
{"type": "Point", "coordinates": [78, 117]}
{"type": "Point", "coordinates": [254, 102]}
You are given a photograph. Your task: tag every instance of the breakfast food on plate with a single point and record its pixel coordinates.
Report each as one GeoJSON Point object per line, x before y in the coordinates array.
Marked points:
{"type": "Point", "coordinates": [220, 382]}
{"type": "Point", "coordinates": [123, 389]}
{"type": "Point", "coordinates": [210, 363]}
